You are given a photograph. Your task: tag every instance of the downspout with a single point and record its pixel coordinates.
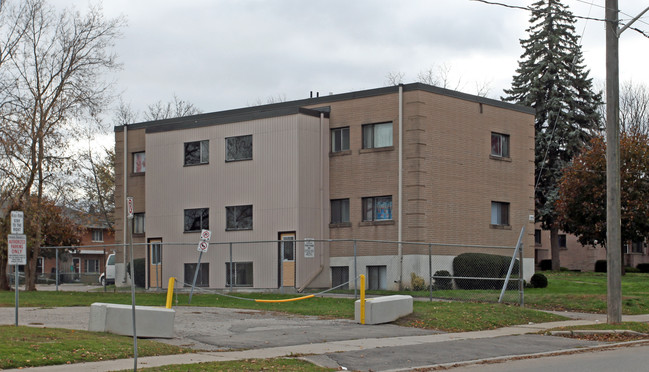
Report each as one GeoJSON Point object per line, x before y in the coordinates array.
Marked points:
{"type": "Point", "coordinates": [400, 189]}
{"type": "Point", "coordinates": [124, 194]}
{"type": "Point", "coordinates": [322, 206]}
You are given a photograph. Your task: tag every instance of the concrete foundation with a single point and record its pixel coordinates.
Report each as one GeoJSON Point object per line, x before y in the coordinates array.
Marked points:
{"type": "Point", "coordinates": [384, 309]}
{"type": "Point", "coordinates": [156, 322]}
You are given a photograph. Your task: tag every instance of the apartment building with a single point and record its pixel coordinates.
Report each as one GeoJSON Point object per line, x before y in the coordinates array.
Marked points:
{"type": "Point", "coordinates": [411, 163]}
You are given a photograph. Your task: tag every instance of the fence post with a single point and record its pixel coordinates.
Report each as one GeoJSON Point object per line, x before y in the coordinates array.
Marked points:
{"type": "Point", "coordinates": [430, 271]}
{"type": "Point", "coordinates": [521, 283]}
{"type": "Point", "coordinates": [355, 274]}
{"type": "Point", "coordinates": [56, 270]}
{"type": "Point", "coordinates": [231, 277]}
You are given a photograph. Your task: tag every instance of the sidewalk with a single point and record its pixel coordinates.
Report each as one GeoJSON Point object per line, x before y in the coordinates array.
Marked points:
{"type": "Point", "coordinates": [329, 354]}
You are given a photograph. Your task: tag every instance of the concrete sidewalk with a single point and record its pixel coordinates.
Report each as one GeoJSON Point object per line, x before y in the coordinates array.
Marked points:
{"type": "Point", "coordinates": [447, 348]}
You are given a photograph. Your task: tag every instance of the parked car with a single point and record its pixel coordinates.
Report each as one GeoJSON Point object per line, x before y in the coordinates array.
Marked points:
{"type": "Point", "coordinates": [108, 276]}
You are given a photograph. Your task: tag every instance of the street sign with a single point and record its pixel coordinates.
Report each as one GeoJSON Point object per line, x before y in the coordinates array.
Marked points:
{"type": "Point", "coordinates": [206, 235]}
{"type": "Point", "coordinates": [17, 222]}
{"type": "Point", "coordinates": [309, 248]}
{"type": "Point", "coordinates": [129, 203]}
{"type": "Point", "coordinates": [17, 249]}
{"type": "Point", "coordinates": [202, 246]}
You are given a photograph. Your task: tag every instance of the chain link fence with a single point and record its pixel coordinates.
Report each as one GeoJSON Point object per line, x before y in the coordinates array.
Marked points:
{"type": "Point", "coordinates": [437, 271]}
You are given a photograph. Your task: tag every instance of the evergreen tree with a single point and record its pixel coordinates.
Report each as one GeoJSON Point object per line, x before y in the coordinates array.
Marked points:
{"type": "Point", "coordinates": [551, 78]}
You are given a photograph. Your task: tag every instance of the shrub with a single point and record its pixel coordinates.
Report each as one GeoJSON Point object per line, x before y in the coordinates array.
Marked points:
{"type": "Point", "coordinates": [417, 282]}
{"type": "Point", "coordinates": [643, 267]}
{"type": "Point", "coordinates": [441, 284]}
{"type": "Point", "coordinates": [139, 268]}
{"type": "Point", "coordinates": [482, 265]}
{"type": "Point", "coordinates": [630, 269]}
{"type": "Point", "coordinates": [539, 281]}
{"type": "Point", "coordinates": [545, 265]}
{"type": "Point", "coordinates": [600, 266]}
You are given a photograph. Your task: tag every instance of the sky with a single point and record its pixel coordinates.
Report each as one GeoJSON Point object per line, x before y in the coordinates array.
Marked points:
{"type": "Point", "coordinates": [225, 54]}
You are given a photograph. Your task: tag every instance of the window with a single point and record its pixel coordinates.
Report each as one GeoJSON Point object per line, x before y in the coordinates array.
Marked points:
{"type": "Point", "coordinates": [203, 278]}
{"type": "Point", "coordinates": [500, 214]}
{"type": "Point", "coordinates": [238, 217]}
{"type": "Point", "coordinates": [197, 219]}
{"type": "Point", "coordinates": [340, 276]}
{"type": "Point", "coordinates": [197, 152]}
{"type": "Point", "coordinates": [98, 234]}
{"type": "Point", "coordinates": [138, 223]}
{"type": "Point", "coordinates": [288, 248]}
{"type": "Point", "coordinates": [242, 273]}
{"type": "Point", "coordinates": [238, 148]}
{"type": "Point", "coordinates": [500, 145]}
{"type": "Point", "coordinates": [340, 211]}
{"type": "Point", "coordinates": [562, 241]}
{"type": "Point", "coordinates": [156, 253]}
{"type": "Point", "coordinates": [376, 278]}
{"type": "Point", "coordinates": [633, 247]}
{"type": "Point", "coordinates": [92, 266]}
{"type": "Point", "coordinates": [377, 208]}
{"type": "Point", "coordinates": [139, 162]}
{"type": "Point", "coordinates": [537, 237]}
{"type": "Point", "coordinates": [339, 139]}
{"type": "Point", "coordinates": [377, 135]}
{"type": "Point", "coordinates": [39, 265]}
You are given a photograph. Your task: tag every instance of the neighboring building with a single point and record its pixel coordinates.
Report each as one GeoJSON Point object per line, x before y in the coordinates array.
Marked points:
{"type": "Point", "coordinates": [410, 163]}
{"type": "Point", "coordinates": [85, 263]}
{"type": "Point", "coordinates": [575, 256]}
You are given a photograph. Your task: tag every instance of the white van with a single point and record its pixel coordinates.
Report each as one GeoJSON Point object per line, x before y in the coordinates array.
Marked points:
{"type": "Point", "coordinates": [108, 276]}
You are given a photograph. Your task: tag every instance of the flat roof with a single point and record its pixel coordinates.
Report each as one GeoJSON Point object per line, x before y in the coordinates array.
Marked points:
{"type": "Point", "coordinates": [297, 107]}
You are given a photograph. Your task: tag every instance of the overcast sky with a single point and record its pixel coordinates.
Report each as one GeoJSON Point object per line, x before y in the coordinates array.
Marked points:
{"type": "Point", "coordinates": [221, 55]}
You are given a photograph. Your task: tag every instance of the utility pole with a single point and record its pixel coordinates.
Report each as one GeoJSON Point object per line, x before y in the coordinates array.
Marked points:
{"type": "Point", "coordinates": [613, 208]}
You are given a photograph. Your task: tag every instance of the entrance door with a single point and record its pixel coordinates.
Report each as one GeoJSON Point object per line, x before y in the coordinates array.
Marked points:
{"type": "Point", "coordinates": [287, 258]}
{"type": "Point", "coordinates": [155, 263]}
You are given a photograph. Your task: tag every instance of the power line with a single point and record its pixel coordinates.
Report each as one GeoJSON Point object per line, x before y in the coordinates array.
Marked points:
{"type": "Point", "coordinates": [641, 32]}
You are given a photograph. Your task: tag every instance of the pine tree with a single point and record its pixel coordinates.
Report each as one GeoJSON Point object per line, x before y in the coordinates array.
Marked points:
{"type": "Point", "coordinates": [551, 78]}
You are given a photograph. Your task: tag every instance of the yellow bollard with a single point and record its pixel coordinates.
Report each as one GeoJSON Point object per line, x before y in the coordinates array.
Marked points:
{"type": "Point", "coordinates": [362, 299]}
{"type": "Point", "coordinates": [170, 291]}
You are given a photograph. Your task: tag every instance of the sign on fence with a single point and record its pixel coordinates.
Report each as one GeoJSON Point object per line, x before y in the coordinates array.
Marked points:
{"type": "Point", "coordinates": [309, 248]}
{"type": "Point", "coordinates": [17, 249]}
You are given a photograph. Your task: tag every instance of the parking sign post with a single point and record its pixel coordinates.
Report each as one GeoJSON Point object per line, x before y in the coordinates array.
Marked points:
{"type": "Point", "coordinates": [17, 249]}
{"type": "Point", "coordinates": [203, 245]}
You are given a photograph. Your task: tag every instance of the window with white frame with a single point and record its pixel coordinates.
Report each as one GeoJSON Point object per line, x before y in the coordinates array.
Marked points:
{"type": "Point", "coordinates": [377, 135]}
{"type": "Point", "coordinates": [238, 148]}
{"type": "Point", "coordinates": [499, 145]}
{"type": "Point", "coordinates": [197, 219]}
{"type": "Point", "coordinates": [139, 162]}
{"type": "Point", "coordinates": [499, 213]}
{"type": "Point", "coordinates": [197, 152]}
{"type": "Point", "coordinates": [98, 235]}
{"type": "Point", "coordinates": [377, 208]}
{"type": "Point", "coordinates": [339, 139]}
{"type": "Point", "coordinates": [339, 210]}
{"type": "Point", "coordinates": [238, 217]}
{"type": "Point", "coordinates": [138, 223]}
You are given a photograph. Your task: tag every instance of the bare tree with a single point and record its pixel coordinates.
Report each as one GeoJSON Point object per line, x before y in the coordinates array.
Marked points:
{"type": "Point", "coordinates": [172, 109]}
{"type": "Point", "coordinates": [394, 78]}
{"type": "Point", "coordinates": [634, 108]}
{"type": "Point", "coordinates": [52, 79]}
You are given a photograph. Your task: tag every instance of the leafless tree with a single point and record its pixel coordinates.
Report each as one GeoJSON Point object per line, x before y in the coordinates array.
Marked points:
{"type": "Point", "coordinates": [394, 78]}
{"type": "Point", "coordinates": [634, 108]}
{"type": "Point", "coordinates": [53, 80]}
{"type": "Point", "coordinates": [172, 109]}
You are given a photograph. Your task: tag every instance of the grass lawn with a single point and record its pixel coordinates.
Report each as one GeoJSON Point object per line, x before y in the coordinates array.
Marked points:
{"type": "Point", "coordinates": [279, 364]}
{"type": "Point", "coordinates": [30, 347]}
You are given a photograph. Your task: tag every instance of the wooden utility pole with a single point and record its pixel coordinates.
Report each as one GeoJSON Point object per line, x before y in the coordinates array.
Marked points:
{"type": "Point", "coordinates": [613, 209]}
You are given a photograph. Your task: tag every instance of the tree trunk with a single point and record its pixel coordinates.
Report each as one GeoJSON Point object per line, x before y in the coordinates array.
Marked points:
{"type": "Point", "coordinates": [4, 271]}
{"type": "Point", "coordinates": [30, 268]}
{"type": "Point", "coordinates": [555, 249]}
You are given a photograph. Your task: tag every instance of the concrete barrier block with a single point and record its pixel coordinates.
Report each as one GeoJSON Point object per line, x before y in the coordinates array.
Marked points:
{"type": "Point", "coordinates": [150, 321]}
{"type": "Point", "coordinates": [384, 309]}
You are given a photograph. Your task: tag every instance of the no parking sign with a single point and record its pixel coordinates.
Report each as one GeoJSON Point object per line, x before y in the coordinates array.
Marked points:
{"type": "Point", "coordinates": [202, 246]}
{"type": "Point", "coordinates": [206, 235]}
